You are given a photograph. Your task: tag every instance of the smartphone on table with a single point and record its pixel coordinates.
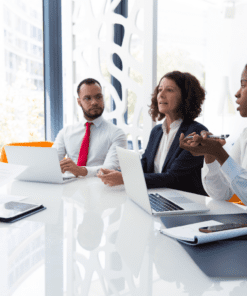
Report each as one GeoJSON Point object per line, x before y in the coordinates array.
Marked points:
{"type": "Point", "coordinates": [221, 227]}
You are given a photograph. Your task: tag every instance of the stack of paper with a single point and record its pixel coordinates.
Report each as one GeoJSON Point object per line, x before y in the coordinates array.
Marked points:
{"type": "Point", "coordinates": [9, 171]}
{"type": "Point", "coordinates": [190, 234]}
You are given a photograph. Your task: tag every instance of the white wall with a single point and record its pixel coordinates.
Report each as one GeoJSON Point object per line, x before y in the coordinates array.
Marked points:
{"type": "Point", "coordinates": [226, 55]}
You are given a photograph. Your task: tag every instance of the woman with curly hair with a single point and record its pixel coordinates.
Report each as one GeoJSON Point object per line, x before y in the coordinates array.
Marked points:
{"type": "Point", "coordinates": [178, 98]}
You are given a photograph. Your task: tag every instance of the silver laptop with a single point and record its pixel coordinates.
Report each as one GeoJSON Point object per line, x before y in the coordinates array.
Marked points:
{"type": "Point", "coordinates": [170, 202]}
{"type": "Point", "coordinates": [43, 164]}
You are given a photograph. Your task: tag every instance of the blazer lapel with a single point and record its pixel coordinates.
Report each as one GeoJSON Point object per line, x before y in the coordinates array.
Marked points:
{"type": "Point", "coordinates": [175, 145]}
{"type": "Point", "coordinates": [155, 146]}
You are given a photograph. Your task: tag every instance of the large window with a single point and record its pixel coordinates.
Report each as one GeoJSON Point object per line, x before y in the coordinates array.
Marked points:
{"type": "Point", "coordinates": [21, 60]}
{"type": "Point", "coordinates": [207, 39]}
{"type": "Point", "coordinates": [182, 37]}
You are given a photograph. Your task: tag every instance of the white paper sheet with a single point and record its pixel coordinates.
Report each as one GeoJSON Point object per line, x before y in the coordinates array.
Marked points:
{"type": "Point", "coordinates": [9, 171]}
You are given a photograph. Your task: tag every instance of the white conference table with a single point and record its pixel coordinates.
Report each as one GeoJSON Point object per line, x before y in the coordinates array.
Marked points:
{"type": "Point", "coordinates": [92, 240]}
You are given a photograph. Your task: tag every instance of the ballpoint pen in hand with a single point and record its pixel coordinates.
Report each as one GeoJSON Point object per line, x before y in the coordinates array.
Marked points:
{"type": "Point", "coordinates": [212, 136]}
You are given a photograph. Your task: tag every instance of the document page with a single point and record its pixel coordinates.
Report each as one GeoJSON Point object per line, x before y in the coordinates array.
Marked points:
{"type": "Point", "coordinates": [190, 234]}
{"type": "Point", "coordinates": [9, 171]}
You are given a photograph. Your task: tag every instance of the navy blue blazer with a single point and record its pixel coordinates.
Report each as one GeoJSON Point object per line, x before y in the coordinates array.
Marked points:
{"type": "Point", "coordinates": [181, 170]}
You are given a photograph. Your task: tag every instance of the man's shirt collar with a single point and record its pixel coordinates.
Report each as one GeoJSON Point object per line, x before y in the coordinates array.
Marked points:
{"type": "Point", "coordinates": [97, 122]}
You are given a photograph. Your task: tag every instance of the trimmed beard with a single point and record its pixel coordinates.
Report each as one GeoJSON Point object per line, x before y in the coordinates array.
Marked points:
{"type": "Point", "coordinates": [92, 116]}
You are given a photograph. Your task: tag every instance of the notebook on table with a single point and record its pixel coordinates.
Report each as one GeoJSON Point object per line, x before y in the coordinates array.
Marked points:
{"type": "Point", "coordinates": [205, 232]}
{"type": "Point", "coordinates": [169, 202]}
{"type": "Point", "coordinates": [43, 164]}
{"type": "Point", "coordinates": [224, 258]}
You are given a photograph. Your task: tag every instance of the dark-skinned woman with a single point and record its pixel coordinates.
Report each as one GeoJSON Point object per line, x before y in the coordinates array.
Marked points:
{"type": "Point", "coordinates": [223, 174]}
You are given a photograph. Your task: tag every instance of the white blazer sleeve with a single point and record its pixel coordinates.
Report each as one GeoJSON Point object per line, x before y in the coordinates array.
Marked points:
{"type": "Point", "coordinates": [237, 177]}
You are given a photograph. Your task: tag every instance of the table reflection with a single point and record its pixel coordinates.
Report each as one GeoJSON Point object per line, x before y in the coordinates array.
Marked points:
{"type": "Point", "coordinates": [92, 240]}
{"type": "Point", "coordinates": [52, 220]}
{"type": "Point", "coordinates": [104, 234]}
{"type": "Point", "coordinates": [22, 252]}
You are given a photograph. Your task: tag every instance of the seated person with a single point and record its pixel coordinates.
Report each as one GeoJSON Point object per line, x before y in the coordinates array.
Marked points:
{"type": "Point", "coordinates": [177, 98]}
{"type": "Point", "coordinates": [223, 174]}
{"type": "Point", "coordinates": [91, 143]}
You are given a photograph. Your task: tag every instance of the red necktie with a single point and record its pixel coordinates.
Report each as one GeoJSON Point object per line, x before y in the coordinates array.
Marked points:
{"type": "Point", "coordinates": [82, 158]}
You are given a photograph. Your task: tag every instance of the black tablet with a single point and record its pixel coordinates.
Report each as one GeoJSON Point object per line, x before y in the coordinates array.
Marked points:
{"type": "Point", "coordinates": [13, 211]}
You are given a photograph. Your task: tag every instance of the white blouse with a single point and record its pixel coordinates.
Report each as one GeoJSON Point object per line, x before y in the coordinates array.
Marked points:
{"type": "Point", "coordinates": [165, 144]}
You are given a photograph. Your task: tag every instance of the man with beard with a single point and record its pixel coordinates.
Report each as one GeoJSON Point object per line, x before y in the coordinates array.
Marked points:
{"type": "Point", "coordinates": [91, 143]}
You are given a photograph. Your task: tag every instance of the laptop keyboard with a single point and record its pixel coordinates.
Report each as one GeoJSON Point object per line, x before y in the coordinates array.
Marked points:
{"type": "Point", "coordinates": [161, 204]}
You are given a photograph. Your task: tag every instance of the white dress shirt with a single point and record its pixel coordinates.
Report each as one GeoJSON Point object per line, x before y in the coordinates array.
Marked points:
{"type": "Point", "coordinates": [221, 182]}
{"type": "Point", "coordinates": [104, 137]}
{"type": "Point", "coordinates": [165, 144]}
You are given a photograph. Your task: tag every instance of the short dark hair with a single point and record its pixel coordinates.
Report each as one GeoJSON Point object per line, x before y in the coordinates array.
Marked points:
{"type": "Point", "coordinates": [193, 96]}
{"type": "Point", "coordinates": [87, 81]}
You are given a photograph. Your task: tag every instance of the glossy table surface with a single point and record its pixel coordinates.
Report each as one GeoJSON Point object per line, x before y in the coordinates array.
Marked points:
{"type": "Point", "coordinates": [92, 240]}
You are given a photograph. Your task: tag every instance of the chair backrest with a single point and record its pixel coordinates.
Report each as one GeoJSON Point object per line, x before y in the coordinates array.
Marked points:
{"type": "Point", "coordinates": [3, 157]}
{"type": "Point", "coordinates": [236, 200]}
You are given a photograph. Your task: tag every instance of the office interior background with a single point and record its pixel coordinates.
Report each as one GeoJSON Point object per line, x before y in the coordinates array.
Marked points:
{"type": "Point", "coordinates": [127, 45]}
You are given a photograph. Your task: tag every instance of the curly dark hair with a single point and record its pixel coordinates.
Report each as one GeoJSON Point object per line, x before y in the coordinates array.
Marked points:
{"type": "Point", "coordinates": [193, 96]}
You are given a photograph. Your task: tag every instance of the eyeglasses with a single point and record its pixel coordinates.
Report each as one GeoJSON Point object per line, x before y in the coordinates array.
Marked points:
{"type": "Point", "coordinates": [89, 99]}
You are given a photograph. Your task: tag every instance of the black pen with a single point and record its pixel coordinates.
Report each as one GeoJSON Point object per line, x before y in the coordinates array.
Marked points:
{"type": "Point", "coordinates": [212, 136]}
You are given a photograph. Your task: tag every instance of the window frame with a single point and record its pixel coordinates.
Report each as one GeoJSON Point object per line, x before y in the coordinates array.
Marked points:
{"type": "Point", "coordinates": [53, 82]}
